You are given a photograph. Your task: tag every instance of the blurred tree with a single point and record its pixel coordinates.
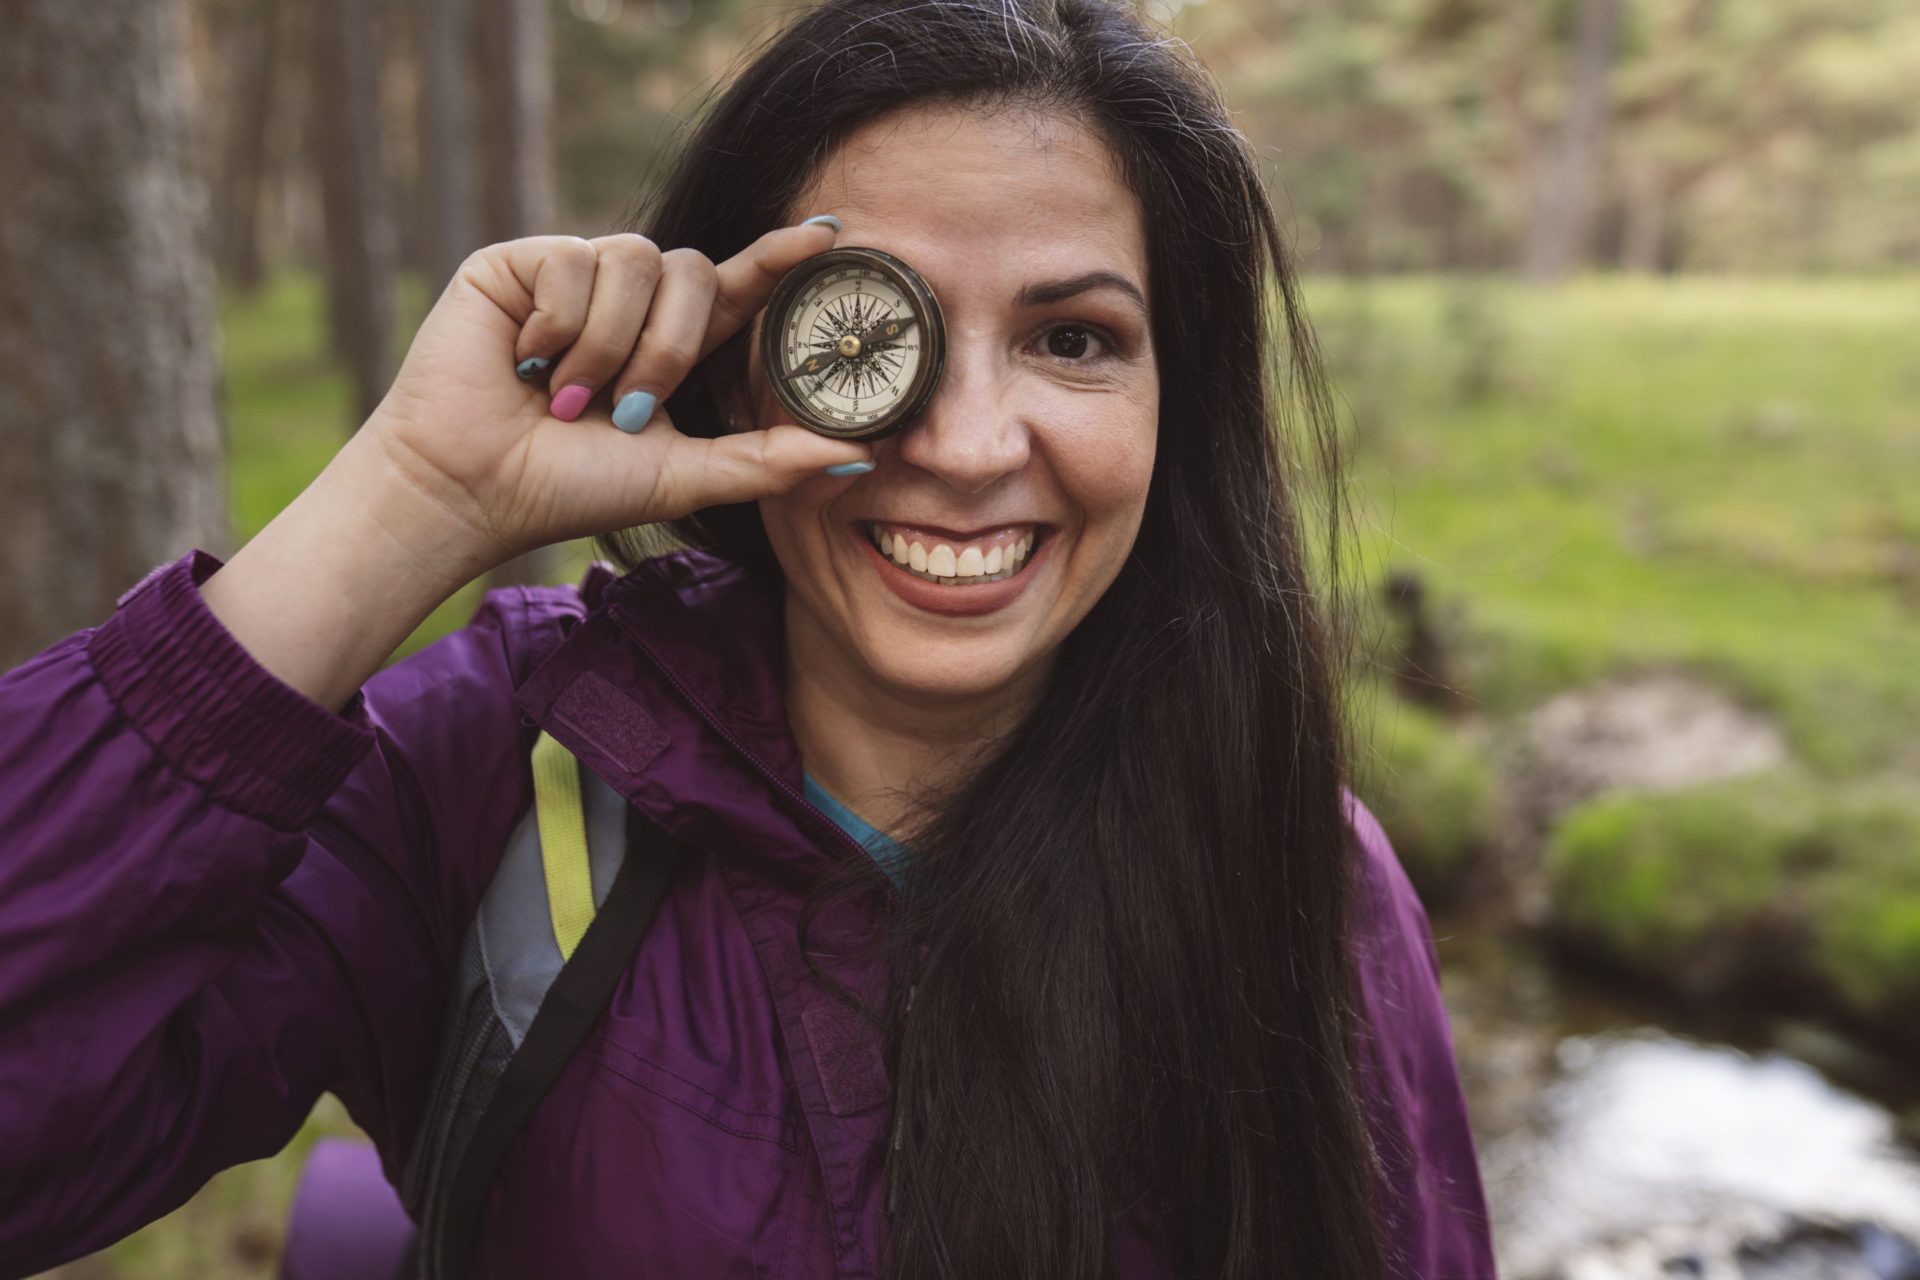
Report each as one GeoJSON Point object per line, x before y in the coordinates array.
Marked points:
{"type": "Point", "coordinates": [247, 34]}
{"type": "Point", "coordinates": [346, 123]}
{"type": "Point", "coordinates": [516, 146]}
{"type": "Point", "coordinates": [1563, 204]}
{"type": "Point", "coordinates": [448, 227]}
{"type": "Point", "coordinates": [112, 458]}
{"type": "Point", "coordinates": [516, 156]}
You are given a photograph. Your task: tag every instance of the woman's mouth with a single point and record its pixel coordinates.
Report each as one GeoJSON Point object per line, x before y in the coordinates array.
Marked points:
{"type": "Point", "coordinates": [950, 560]}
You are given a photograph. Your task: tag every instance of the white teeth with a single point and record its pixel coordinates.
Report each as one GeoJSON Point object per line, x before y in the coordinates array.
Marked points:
{"type": "Point", "coordinates": [1000, 561]}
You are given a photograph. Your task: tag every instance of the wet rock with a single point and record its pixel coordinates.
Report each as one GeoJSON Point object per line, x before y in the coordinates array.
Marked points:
{"type": "Point", "coordinates": [1660, 732]}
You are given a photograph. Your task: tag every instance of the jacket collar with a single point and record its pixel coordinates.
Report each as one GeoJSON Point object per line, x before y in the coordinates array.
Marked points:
{"type": "Point", "coordinates": [671, 688]}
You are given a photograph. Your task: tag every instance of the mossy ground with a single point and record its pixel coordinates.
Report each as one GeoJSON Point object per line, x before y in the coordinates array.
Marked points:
{"type": "Point", "coordinates": [1780, 877]}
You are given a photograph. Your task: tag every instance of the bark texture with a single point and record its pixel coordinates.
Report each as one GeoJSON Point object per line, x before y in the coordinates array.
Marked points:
{"type": "Point", "coordinates": [110, 439]}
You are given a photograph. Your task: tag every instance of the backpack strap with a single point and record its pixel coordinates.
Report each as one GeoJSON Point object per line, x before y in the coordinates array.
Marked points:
{"type": "Point", "coordinates": [599, 947]}
{"type": "Point", "coordinates": [563, 842]}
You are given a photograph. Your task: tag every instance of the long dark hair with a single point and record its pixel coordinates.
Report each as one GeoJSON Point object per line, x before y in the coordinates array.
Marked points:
{"type": "Point", "coordinates": [1128, 921]}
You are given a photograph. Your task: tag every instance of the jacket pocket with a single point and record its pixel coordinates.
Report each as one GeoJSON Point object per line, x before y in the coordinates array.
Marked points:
{"type": "Point", "coordinates": [701, 1091]}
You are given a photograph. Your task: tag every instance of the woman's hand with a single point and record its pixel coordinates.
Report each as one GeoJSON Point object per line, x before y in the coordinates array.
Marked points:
{"type": "Point", "coordinates": [516, 465]}
{"type": "Point", "coordinates": [465, 465]}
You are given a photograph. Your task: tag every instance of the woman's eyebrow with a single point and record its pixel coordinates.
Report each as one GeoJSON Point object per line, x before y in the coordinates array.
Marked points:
{"type": "Point", "coordinates": [1040, 295]}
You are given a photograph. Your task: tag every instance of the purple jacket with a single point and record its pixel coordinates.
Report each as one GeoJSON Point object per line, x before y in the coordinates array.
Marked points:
{"type": "Point", "coordinates": [219, 899]}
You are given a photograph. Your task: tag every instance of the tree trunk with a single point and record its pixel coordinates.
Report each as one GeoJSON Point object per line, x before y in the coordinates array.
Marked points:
{"type": "Point", "coordinates": [112, 457]}
{"type": "Point", "coordinates": [1563, 204]}
{"type": "Point", "coordinates": [516, 158]}
{"type": "Point", "coordinates": [516, 148]}
{"type": "Point", "coordinates": [1643, 240]}
{"type": "Point", "coordinates": [345, 119]}
{"type": "Point", "coordinates": [447, 225]}
{"type": "Point", "coordinates": [250, 45]}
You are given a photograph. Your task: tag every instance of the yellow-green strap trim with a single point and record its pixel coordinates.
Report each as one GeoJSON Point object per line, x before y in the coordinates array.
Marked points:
{"type": "Point", "coordinates": [563, 842]}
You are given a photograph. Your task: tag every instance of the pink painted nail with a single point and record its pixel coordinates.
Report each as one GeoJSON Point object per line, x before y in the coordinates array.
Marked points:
{"type": "Point", "coordinates": [571, 400]}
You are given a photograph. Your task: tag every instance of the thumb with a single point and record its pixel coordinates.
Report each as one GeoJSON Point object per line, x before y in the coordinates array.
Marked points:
{"type": "Point", "coordinates": [756, 464]}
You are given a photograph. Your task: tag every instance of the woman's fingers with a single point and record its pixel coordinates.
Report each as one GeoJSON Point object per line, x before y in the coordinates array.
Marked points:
{"type": "Point", "coordinates": [617, 312]}
{"type": "Point", "coordinates": [670, 339]}
{"type": "Point", "coordinates": [627, 269]}
{"type": "Point", "coordinates": [696, 472]}
{"type": "Point", "coordinates": [545, 287]}
{"type": "Point", "coordinates": [747, 279]}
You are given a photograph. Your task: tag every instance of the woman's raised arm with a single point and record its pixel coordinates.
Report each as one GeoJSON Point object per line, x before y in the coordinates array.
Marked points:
{"type": "Point", "coordinates": [219, 899]}
{"type": "Point", "coordinates": [230, 877]}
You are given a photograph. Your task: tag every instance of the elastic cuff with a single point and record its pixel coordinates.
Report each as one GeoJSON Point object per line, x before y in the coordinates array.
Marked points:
{"type": "Point", "coordinates": [258, 745]}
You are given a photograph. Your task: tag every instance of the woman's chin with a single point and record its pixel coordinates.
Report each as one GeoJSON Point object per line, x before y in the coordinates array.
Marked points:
{"type": "Point", "coordinates": [944, 669]}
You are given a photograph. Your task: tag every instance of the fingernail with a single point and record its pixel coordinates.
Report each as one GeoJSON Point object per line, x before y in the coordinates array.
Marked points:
{"type": "Point", "coordinates": [531, 367]}
{"type": "Point", "coordinates": [633, 411]}
{"type": "Point", "coordinates": [849, 468]}
{"type": "Point", "coordinates": [826, 218]}
{"type": "Point", "coordinates": [572, 399]}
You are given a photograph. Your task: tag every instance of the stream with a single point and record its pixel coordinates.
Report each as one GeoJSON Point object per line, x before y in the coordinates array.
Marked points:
{"type": "Point", "coordinates": [1619, 1138]}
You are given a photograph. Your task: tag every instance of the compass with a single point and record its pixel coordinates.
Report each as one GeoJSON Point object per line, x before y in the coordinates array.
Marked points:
{"type": "Point", "coordinates": [853, 343]}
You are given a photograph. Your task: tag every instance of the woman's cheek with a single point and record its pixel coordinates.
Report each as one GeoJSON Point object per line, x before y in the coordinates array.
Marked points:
{"type": "Point", "coordinates": [1112, 452]}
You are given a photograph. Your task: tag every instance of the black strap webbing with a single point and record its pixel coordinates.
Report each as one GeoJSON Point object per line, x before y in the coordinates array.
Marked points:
{"type": "Point", "coordinates": [572, 1007]}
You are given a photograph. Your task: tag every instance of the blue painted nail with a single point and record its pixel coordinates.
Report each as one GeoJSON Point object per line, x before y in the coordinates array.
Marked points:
{"type": "Point", "coordinates": [849, 468]}
{"type": "Point", "coordinates": [826, 218]}
{"type": "Point", "coordinates": [633, 411]}
{"type": "Point", "coordinates": [530, 367]}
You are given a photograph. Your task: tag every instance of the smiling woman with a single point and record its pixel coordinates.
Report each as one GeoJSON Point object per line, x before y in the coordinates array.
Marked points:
{"type": "Point", "coordinates": [1028, 929]}
{"type": "Point", "coordinates": [1036, 451]}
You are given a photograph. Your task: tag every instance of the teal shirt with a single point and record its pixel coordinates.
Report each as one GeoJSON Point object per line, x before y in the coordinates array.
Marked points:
{"type": "Point", "coordinates": [888, 852]}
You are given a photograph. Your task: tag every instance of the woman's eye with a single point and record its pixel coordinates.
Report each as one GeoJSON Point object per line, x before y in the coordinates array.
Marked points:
{"type": "Point", "coordinates": [1072, 341]}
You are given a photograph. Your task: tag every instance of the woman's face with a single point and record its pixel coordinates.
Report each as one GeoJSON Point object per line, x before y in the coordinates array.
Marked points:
{"type": "Point", "coordinates": [1042, 431]}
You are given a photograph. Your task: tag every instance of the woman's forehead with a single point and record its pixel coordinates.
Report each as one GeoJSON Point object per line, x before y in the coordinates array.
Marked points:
{"type": "Point", "coordinates": [984, 199]}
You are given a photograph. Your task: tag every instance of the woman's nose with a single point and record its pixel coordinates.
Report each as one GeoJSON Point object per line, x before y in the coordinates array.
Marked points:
{"type": "Point", "coordinates": [971, 433]}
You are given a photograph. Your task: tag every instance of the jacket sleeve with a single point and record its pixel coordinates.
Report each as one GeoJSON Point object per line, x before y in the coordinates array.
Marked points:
{"type": "Point", "coordinates": [219, 899]}
{"type": "Point", "coordinates": [1436, 1225]}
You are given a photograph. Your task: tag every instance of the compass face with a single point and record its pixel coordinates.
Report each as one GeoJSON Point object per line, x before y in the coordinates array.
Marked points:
{"type": "Point", "coordinates": [852, 343]}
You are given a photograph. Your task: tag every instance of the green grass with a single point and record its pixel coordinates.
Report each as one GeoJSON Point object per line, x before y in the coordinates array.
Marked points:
{"type": "Point", "coordinates": [1712, 474]}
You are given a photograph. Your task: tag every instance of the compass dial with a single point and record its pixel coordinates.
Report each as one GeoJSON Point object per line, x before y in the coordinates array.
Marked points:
{"type": "Point", "coordinates": [842, 304]}
{"type": "Point", "coordinates": [852, 343]}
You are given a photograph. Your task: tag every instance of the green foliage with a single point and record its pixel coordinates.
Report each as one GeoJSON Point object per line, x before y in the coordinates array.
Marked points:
{"type": "Point", "coordinates": [1433, 791]}
{"type": "Point", "coordinates": [1415, 134]}
{"type": "Point", "coordinates": [1773, 877]}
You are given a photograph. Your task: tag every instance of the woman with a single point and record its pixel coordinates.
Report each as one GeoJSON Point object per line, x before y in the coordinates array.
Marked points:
{"type": "Point", "coordinates": [1162, 1021]}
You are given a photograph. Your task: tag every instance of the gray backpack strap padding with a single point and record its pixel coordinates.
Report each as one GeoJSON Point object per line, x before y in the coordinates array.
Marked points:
{"type": "Point", "coordinates": [513, 930]}
{"type": "Point", "coordinates": [508, 961]}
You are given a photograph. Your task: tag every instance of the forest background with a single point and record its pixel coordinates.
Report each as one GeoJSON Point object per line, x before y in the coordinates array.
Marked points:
{"type": "Point", "coordinates": [1619, 300]}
